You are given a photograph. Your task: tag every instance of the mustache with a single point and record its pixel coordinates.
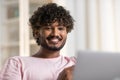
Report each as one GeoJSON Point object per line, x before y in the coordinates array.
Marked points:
{"type": "Point", "coordinates": [51, 37]}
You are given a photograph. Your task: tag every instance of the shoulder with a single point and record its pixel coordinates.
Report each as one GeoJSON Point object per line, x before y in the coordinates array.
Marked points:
{"type": "Point", "coordinates": [13, 61]}
{"type": "Point", "coordinates": [15, 58]}
{"type": "Point", "coordinates": [18, 58]}
{"type": "Point", "coordinates": [68, 61]}
{"type": "Point", "coordinates": [73, 59]}
{"type": "Point", "coordinates": [11, 69]}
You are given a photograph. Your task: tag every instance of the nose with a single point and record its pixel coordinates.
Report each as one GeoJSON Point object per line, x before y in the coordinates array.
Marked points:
{"type": "Point", "coordinates": [55, 32]}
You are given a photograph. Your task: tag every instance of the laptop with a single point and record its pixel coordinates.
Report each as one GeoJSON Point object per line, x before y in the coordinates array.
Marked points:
{"type": "Point", "coordinates": [97, 66]}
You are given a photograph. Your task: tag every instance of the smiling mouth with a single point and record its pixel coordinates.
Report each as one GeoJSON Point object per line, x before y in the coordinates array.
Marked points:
{"type": "Point", "coordinates": [54, 41]}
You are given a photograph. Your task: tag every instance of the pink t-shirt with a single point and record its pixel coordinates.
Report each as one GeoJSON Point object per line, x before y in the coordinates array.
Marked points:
{"type": "Point", "coordinates": [32, 68]}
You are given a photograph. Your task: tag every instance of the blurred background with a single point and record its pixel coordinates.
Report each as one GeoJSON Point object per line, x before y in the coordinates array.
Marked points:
{"type": "Point", "coordinates": [97, 26]}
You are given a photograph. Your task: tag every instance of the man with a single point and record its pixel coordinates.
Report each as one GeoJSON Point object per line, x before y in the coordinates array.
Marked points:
{"type": "Point", "coordinates": [50, 24]}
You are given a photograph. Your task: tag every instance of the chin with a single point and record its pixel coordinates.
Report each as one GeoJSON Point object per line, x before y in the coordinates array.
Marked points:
{"type": "Point", "coordinates": [54, 48]}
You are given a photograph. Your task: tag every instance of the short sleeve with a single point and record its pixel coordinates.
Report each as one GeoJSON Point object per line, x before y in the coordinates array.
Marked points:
{"type": "Point", "coordinates": [73, 59]}
{"type": "Point", "coordinates": [11, 70]}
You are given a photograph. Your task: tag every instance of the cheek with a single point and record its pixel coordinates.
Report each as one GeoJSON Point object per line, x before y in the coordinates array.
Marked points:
{"type": "Point", "coordinates": [64, 34]}
{"type": "Point", "coordinates": [44, 34]}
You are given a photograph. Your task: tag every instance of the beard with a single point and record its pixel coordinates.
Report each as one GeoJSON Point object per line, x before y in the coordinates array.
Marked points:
{"type": "Point", "coordinates": [53, 47]}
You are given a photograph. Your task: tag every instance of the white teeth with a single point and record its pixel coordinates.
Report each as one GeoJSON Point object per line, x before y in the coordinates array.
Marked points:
{"type": "Point", "coordinates": [54, 40]}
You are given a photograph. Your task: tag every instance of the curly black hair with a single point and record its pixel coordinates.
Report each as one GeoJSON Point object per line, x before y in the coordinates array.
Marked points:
{"type": "Point", "coordinates": [48, 14]}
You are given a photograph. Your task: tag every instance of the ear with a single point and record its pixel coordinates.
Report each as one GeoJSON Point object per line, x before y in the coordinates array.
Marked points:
{"type": "Point", "coordinates": [36, 33]}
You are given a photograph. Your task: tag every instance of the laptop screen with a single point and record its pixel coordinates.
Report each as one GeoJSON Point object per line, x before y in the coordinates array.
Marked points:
{"type": "Point", "coordinates": [97, 66]}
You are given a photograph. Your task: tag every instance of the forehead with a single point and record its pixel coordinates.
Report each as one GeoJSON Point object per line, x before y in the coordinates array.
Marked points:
{"type": "Point", "coordinates": [55, 24]}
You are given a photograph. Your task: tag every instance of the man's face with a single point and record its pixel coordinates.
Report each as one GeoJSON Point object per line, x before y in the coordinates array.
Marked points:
{"type": "Point", "coordinates": [53, 37]}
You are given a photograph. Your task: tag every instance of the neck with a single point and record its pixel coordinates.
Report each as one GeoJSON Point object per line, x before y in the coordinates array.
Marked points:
{"type": "Point", "coordinates": [43, 53]}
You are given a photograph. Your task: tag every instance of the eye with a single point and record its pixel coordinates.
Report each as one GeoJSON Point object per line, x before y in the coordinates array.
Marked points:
{"type": "Point", "coordinates": [47, 28]}
{"type": "Point", "coordinates": [61, 28]}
